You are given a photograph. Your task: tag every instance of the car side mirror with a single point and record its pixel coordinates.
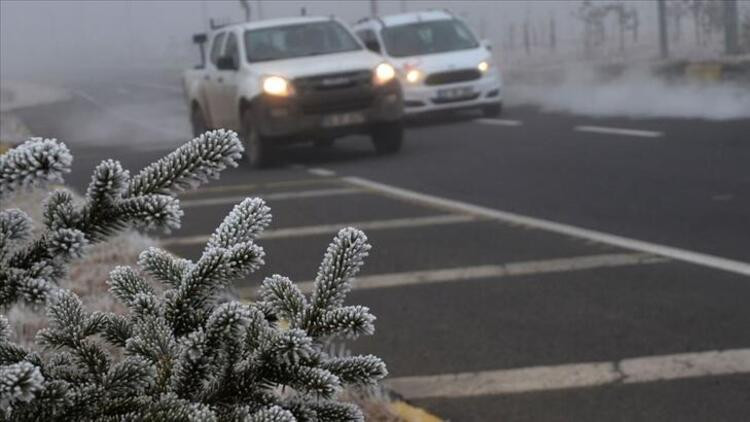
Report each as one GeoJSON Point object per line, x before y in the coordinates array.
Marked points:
{"type": "Point", "coordinates": [487, 44]}
{"type": "Point", "coordinates": [373, 45]}
{"type": "Point", "coordinates": [226, 63]}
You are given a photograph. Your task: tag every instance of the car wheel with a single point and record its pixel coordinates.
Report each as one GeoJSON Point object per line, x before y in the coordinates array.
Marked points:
{"type": "Point", "coordinates": [493, 110]}
{"type": "Point", "coordinates": [197, 121]}
{"type": "Point", "coordinates": [258, 150]}
{"type": "Point", "coordinates": [388, 137]}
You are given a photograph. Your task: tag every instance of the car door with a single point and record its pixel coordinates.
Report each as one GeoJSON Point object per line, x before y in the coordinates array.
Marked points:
{"type": "Point", "coordinates": [227, 79]}
{"type": "Point", "coordinates": [213, 87]}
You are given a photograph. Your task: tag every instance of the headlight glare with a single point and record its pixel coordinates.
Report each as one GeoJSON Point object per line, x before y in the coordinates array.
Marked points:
{"type": "Point", "coordinates": [483, 66]}
{"type": "Point", "coordinates": [278, 86]}
{"type": "Point", "coordinates": [413, 75]}
{"type": "Point", "coordinates": [384, 72]}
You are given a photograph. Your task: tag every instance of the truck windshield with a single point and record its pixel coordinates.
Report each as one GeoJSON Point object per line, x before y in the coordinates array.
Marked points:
{"type": "Point", "coordinates": [308, 39]}
{"type": "Point", "coordinates": [430, 37]}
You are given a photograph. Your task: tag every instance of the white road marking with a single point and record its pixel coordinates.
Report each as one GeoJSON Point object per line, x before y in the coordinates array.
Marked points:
{"type": "Point", "coordinates": [499, 122]}
{"type": "Point", "coordinates": [619, 131]}
{"type": "Point", "coordinates": [578, 375]}
{"type": "Point", "coordinates": [276, 196]}
{"type": "Point", "coordinates": [253, 186]}
{"type": "Point", "coordinates": [321, 172]}
{"type": "Point", "coordinates": [510, 269]}
{"type": "Point", "coordinates": [696, 258]}
{"type": "Point", "coordinates": [333, 228]}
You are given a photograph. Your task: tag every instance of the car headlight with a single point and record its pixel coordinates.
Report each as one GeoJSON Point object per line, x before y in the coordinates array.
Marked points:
{"type": "Point", "coordinates": [384, 72]}
{"type": "Point", "coordinates": [483, 66]}
{"type": "Point", "coordinates": [413, 76]}
{"type": "Point", "coordinates": [277, 86]}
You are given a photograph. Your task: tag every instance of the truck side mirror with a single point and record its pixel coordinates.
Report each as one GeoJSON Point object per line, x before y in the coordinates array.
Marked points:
{"type": "Point", "coordinates": [487, 44]}
{"type": "Point", "coordinates": [373, 45]}
{"type": "Point", "coordinates": [226, 63]}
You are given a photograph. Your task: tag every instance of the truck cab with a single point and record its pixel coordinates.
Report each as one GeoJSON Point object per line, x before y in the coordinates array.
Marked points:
{"type": "Point", "coordinates": [281, 81]}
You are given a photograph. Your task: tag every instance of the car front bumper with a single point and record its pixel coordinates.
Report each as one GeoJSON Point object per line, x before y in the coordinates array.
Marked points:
{"type": "Point", "coordinates": [327, 114]}
{"type": "Point", "coordinates": [420, 98]}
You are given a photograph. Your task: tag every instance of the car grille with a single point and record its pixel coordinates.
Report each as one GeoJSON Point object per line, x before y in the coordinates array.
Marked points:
{"type": "Point", "coordinates": [453, 76]}
{"type": "Point", "coordinates": [335, 92]}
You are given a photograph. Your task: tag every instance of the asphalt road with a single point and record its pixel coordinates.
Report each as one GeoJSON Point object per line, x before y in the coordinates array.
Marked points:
{"type": "Point", "coordinates": [543, 266]}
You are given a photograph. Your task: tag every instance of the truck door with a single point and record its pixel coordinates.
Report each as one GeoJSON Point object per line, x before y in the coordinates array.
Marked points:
{"type": "Point", "coordinates": [227, 110]}
{"type": "Point", "coordinates": [211, 83]}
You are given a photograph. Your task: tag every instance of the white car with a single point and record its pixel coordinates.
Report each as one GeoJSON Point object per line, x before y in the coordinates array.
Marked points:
{"type": "Point", "coordinates": [441, 63]}
{"type": "Point", "coordinates": [293, 80]}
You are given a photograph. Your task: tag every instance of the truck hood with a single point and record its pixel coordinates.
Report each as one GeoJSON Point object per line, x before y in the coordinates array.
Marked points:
{"type": "Point", "coordinates": [451, 60]}
{"type": "Point", "coordinates": [317, 65]}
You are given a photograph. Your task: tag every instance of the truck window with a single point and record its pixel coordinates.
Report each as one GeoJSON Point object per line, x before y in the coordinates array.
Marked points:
{"type": "Point", "coordinates": [288, 41]}
{"type": "Point", "coordinates": [231, 49]}
{"type": "Point", "coordinates": [216, 47]}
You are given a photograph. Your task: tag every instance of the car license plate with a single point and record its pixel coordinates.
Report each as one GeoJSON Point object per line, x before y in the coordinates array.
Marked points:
{"type": "Point", "coordinates": [455, 93]}
{"type": "Point", "coordinates": [343, 119]}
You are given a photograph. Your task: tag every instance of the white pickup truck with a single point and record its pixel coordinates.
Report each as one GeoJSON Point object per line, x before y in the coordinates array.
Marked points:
{"type": "Point", "coordinates": [290, 80]}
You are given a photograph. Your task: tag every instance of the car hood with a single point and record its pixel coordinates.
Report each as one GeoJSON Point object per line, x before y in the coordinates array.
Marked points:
{"type": "Point", "coordinates": [319, 65]}
{"type": "Point", "coordinates": [440, 62]}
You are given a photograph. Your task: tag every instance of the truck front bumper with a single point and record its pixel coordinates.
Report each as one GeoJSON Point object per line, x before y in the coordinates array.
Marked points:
{"type": "Point", "coordinates": [327, 114]}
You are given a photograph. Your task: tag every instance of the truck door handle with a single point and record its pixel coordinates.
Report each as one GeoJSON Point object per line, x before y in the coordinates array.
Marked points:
{"type": "Point", "coordinates": [208, 78]}
{"type": "Point", "coordinates": [220, 79]}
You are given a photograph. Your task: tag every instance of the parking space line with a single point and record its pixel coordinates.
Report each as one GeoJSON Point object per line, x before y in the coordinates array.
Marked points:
{"type": "Point", "coordinates": [678, 254]}
{"type": "Point", "coordinates": [275, 196]}
{"type": "Point", "coordinates": [577, 375]}
{"type": "Point", "coordinates": [254, 186]}
{"type": "Point", "coordinates": [619, 131]}
{"type": "Point", "coordinates": [321, 172]}
{"type": "Point", "coordinates": [333, 228]}
{"type": "Point", "coordinates": [499, 122]}
{"type": "Point", "coordinates": [510, 269]}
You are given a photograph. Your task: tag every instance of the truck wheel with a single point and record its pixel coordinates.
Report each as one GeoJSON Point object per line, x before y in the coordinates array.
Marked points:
{"type": "Point", "coordinates": [493, 110]}
{"type": "Point", "coordinates": [258, 150]}
{"type": "Point", "coordinates": [197, 121]}
{"type": "Point", "coordinates": [388, 137]}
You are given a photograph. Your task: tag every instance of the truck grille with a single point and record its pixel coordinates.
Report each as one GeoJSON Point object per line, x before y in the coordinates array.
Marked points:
{"type": "Point", "coordinates": [335, 92]}
{"type": "Point", "coordinates": [452, 76]}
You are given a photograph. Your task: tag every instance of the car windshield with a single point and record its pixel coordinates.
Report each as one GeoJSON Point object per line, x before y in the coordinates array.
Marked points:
{"type": "Point", "coordinates": [427, 38]}
{"type": "Point", "coordinates": [308, 39]}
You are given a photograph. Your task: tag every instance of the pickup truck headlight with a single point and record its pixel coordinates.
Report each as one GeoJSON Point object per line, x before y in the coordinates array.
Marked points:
{"type": "Point", "coordinates": [277, 86]}
{"type": "Point", "coordinates": [484, 66]}
{"type": "Point", "coordinates": [413, 75]}
{"type": "Point", "coordinates": [384, 72]}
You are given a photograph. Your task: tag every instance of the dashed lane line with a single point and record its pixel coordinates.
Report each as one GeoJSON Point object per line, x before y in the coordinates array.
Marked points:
{"type": "Point", "coordinates": [500, 122]}
{"type": "Point", "coordinates": [510, 269]}
{"type": "Point", "coordinates": [275, 196]}
{"type": "Point", "coordinates": [576, 375]}
{"type": "Point", "coordinates": [678, 254]}
{"type": "Point", "coordinates": [333, 228]}
{"type": "Point", "coordinates": [619, 131]}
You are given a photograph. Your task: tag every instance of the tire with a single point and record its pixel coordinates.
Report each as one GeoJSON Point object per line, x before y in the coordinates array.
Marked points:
{"type": "Point", "coordinates": [258, 150]}
{"type": "Point", "coordinates": [388, 137]}
{"type": "Point", "coordinates": [494, 110]}
{"type": "Point", "coordinates": [198, 121]}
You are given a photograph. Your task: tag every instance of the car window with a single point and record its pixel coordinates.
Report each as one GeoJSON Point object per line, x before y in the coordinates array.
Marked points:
{"type": "Point", "coordinates": [216, 47]}
{"type": "Point", "coordinates": [231, 49]}
{"type": "Point", "coordinates": [308, 39]}
{"type": "Point", "coordinates": [427, 38]}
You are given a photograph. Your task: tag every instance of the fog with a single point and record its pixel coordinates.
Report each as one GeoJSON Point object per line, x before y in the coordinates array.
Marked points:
{"type": "Point", "coordinates": [68, 41]}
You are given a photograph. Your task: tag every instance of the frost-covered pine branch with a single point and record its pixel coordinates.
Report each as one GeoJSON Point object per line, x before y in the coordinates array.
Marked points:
{"type": "Point", "coordinates": [31, 268]}
{"type": "Point", "coordinates": [187, 355]}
